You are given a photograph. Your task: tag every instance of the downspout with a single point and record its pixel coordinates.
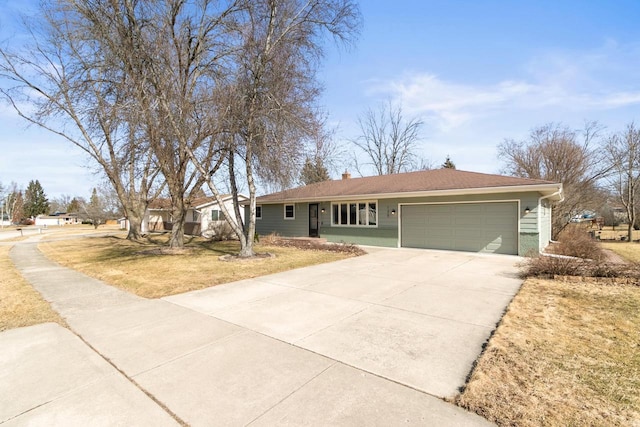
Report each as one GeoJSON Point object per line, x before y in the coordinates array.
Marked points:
{"type": "Point", "coordinates": [540, 199]}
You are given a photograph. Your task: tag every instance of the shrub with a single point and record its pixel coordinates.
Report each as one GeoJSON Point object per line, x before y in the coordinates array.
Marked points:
{"type": "Point", "coordinates": [312, 244]}
{"type": "Point", "coordinates": [551, 266]}
{"type": "Point", "coordinates": [575, 242]}
{"type": "Point", "coordinates": [220, 230]}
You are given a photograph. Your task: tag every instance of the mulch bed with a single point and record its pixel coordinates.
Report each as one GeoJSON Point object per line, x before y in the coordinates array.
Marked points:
{"type": "Point", "coordinates": [256, 257]}
{"type": "Point", "coordinates": [313, 244]}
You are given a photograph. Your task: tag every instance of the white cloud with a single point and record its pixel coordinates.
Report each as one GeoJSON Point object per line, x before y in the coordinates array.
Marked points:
{"type": "Point", "coordinates": [583, 82]}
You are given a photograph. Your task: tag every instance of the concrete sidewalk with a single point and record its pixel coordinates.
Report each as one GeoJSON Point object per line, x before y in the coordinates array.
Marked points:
{"type": "Point", "coordinates": [258, 352]}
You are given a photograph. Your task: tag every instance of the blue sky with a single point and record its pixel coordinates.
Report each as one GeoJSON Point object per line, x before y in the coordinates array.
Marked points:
{"type": "Point", "coordinates": [476, 72]}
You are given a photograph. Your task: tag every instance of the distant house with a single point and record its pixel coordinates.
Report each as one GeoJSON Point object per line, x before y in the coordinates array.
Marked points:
{"type": "Point", "coordinates": [57, 219]}
{"type": "Point", "coordinates": [435, 209]}
{"type": "Point", "coordinates": [203, 215]}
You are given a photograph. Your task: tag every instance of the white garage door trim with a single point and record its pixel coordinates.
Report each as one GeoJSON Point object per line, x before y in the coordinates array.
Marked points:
{"type": "Point", "coordinates": [517, 201]}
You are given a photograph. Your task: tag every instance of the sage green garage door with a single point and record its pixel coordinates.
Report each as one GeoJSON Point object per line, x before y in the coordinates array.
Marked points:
{"type": "Point", "coordinates": [472, 227]}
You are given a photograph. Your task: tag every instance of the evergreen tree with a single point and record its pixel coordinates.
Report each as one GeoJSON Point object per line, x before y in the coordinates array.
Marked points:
{"type": "Point", "coordinates": [448, 164]}
{"type": "Point", "coordinates": [73, 206]}
{"type": "Point", "coordinates": [94, 211]}
{"type": "Point", "coordinates": [313, 172]}
{"type": "Point", "coordinates": [35, 200]}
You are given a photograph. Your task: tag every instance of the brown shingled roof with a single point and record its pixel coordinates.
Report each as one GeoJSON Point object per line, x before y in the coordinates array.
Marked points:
{"type": "Point", "coordinates": [437, 180]}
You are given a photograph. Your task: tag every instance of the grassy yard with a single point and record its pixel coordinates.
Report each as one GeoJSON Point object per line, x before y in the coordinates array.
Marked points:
{"type": "Point", "coordinates": [614, 233]}
{"type": "Point", "coordinates": [567, 352]}
{"type": "Point", "coordinates": [150, 270]}
{"type": "Point", "coordinates": [627, 250]}
{"type": "Point", "coordinates": [20, 304]}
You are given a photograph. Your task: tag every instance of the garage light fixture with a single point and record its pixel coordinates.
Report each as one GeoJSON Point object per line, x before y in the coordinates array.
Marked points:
{"type": "Point", "coordinates": [322, 210]}
{"type": "Point", "coordinates": [527, 210]}
{"type": "Point", "coordinates": [393, 211]}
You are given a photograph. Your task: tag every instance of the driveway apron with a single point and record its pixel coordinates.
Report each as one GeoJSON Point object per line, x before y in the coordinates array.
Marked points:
{"type": "Point", "coordinates": [374, 340]}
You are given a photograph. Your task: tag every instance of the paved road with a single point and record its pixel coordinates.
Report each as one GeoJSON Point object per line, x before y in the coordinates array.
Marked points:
{"type": "Point", "coordinates": [374, 340]}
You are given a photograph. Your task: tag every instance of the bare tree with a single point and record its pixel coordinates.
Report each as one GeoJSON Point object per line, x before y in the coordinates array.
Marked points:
{"type": "Point", "coordinates": [271, 94]}
{"type": "Point", "coordinates": [553, 152]}
{"type": "Point", "coordinates": [68, 82]}
{"type": "Point", "coordinates": [323, 155]}
{"type": "Point", "coordinates": [388, 140]}
{"type": "Point", "coordinates": [623, 152]}
{"type": "Point", "coordinates": [59, 204]}
{"type": "Point", "coordinates": [94, 210]}
{"type": "Point", "coordinates": [14, 203]}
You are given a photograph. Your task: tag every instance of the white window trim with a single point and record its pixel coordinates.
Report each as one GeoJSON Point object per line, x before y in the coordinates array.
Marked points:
{"type": "Point", "coordinates": [284, 213]}
{"type": "Point", "coordinates": [220, 213]}
{"type": "Point", "coordinates": [258, 206]}
{"type": "Point", "coordinates": [348, 203]}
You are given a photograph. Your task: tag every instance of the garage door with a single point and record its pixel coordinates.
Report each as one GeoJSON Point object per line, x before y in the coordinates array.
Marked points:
{"type": "Point", "coordinates": [473, 227]}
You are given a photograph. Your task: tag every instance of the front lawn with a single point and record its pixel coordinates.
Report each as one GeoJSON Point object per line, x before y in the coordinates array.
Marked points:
{"type": "Point", "coordinates": [20, 304]}
{"type": "Point", "coordinates": [149, 269]}
{"type": "Point", "coordinates": [627, 250]}
{"type": "Point", "coordinates": [567, 352]}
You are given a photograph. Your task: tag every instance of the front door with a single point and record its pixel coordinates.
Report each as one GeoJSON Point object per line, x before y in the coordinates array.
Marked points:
{"type": "Point", "coordinates": [313, 220]}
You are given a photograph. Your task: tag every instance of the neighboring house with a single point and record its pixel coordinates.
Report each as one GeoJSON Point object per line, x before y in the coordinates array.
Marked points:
{"type": "Point", "coordinates": [203, 216]}
{"type": "Point", "coordinates": [57, 219]}
{"type": "Point", "coordinates": [439, 209]}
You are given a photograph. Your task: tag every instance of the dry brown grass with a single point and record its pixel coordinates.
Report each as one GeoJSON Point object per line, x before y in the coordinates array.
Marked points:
{"type": "Point", "coordinates": [614, 233]}
{"type": "Point", "coordinates": [627, 250]}
{"type": "Point", "coordinates": [20, 304]}
{"type": "Point", "coordinates": [152, 270]}
{"type": "Point", "coordinates": [54, 232]}
{"type": "Point", "coordinates": [567, 352]}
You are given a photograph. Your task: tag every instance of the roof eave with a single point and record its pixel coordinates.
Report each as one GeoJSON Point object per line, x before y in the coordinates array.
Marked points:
{"type": "Point", "coordinates": [545, 189]}
{"type": "Point", "coordinates": [241, 199]}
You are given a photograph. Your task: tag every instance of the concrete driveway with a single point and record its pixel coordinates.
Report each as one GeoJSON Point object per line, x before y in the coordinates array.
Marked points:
{"type": "Point", "coordinates": [416, 317]}
{"type": "Point", "coordinates": [374, 340]}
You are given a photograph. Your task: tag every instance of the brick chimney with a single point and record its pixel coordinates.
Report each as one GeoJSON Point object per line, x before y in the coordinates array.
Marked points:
{"type": "Point", "coordinates": [346, 175]}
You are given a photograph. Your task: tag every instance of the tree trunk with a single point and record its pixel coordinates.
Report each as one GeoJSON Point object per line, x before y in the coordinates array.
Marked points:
{"type": "Point", "coordinates": [135, 228]}
{"type": "Point", "coordinates": [177, 229]}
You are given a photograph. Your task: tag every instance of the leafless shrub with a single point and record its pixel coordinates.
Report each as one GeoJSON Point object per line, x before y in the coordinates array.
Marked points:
{"type": "Point", "coordinates": [556, 266]}
{"type": "Point", "coordinates": [311, 244]}
{"type": "Point", "coordinates": [575, 242]}
{"type": "Point", "coordinates": [552, 266]}
{"type": "Point", "coordinates": [221, 231]}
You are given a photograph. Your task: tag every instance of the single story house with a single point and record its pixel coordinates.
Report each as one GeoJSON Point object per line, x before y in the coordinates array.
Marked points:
{"type": "Point", "coordinates": [437, 209]}
{"type": "Point", "coordinates": [203, 216]}
{"type": "Point", "coordinates": [57, 219]}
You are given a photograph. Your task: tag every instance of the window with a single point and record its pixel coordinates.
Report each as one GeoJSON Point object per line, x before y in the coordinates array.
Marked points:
{"type": "Point", "coordinates": [195, 216]}
{"type": "Point", "coordinates": [258, 212]}
{"type": "Point", "coordinates": [217, 215]}
{"type": "Point", "coordinates": [289, 212]}
{"type": "Point", "coordinates": [358, 214]}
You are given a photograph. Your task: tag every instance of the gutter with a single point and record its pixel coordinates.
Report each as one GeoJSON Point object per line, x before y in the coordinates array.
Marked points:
{"type": "Point", "coordinates": [431, 193]}
{"type": "Point", "coordinates": [540, 199]}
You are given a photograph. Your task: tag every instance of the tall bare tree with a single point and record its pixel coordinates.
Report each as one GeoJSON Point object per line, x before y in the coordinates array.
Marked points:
{"type": "Point", "coordinates": [623, 152]}
{"type": "Point", "coordinates": [554, 152]}
{"type": "Point", "coordinates": [388, 140]}
{"type": "Point", "coordinates": [272, 93]}
{"type": "Point", "coordinates": [68, 82]}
